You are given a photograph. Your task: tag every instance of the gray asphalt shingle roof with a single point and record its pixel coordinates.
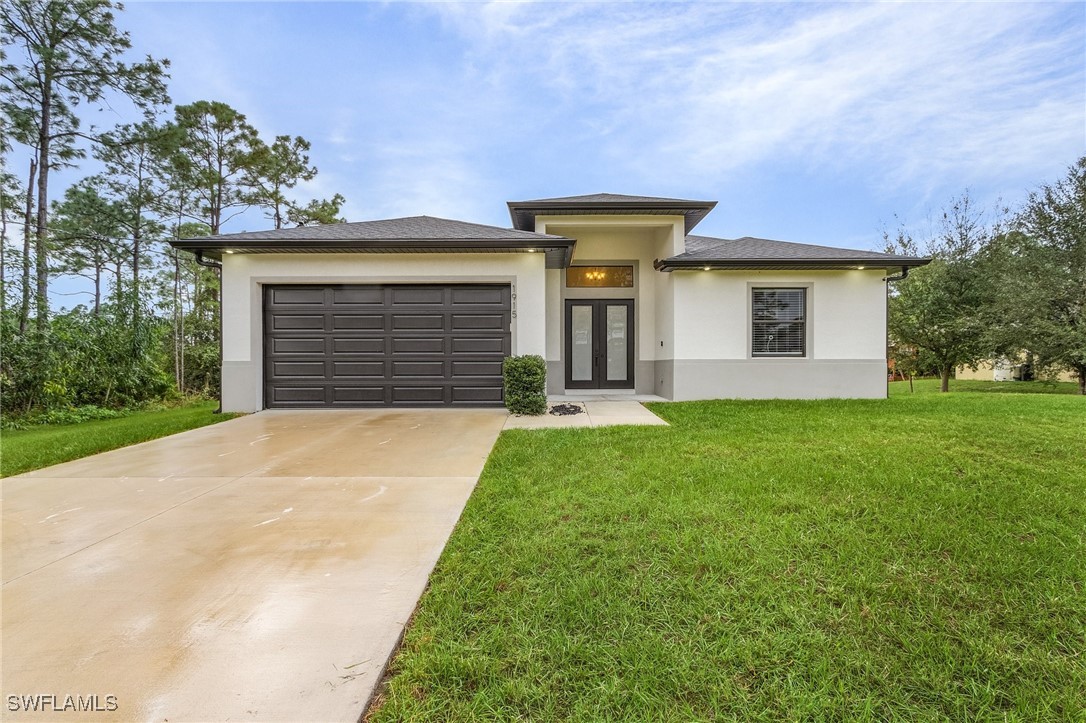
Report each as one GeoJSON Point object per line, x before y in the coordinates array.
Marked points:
{"type": "Point", "coordinates": [748, 247]}
{"type": "Point", "coordinates": [409, 228]}
{"type": "Point", "coordinates": [760, 253]}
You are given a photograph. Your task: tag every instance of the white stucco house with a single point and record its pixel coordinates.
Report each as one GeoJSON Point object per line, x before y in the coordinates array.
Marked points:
{"type": "Point", "coordinates": [614, 291]}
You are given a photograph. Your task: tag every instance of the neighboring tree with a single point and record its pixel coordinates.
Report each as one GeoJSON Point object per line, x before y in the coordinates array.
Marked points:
{"type": "Point", "coordinates": [134, 159]}
{"type": "Point", "coordinates": [11, 200]}
{"type": "Point", "coordinates": [70, 53]}
{"type": "Point", "coordinates": [276, 169]}
{"type": "Point", "coordinates": [215, 158]}
{"type": "Point", "coordinates": [940, 309]}
{"type": "Point", "coordinates": [318, 211]}
{"type": "Point", "coordinates": [1041, 305]}
{"type": "Point", "coordinates": [86, 231]}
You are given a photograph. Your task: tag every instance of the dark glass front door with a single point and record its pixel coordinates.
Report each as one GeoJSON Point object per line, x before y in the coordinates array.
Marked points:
{"type": "Point", "coordinates": [599, 344]}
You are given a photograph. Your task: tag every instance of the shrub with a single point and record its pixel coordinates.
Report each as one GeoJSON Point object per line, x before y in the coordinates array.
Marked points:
{"type": "Point", "coordinates": [525, 384]}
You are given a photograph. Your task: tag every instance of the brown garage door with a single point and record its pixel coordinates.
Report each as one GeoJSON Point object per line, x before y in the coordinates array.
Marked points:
{"type": "Point", "coordinates": [387, 345]}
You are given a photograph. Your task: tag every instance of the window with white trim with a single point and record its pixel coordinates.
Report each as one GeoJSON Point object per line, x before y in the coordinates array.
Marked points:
{"type": "Point", "coordinates": [779, 322]}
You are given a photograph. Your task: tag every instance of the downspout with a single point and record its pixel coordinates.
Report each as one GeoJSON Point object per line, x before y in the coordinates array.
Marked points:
{"type": "Point", "coordinates": [216, 265]}
{"type": "Point", "coordinates": [904, 273]}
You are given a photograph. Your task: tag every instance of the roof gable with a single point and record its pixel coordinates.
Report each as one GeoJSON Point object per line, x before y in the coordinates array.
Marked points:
{"type": "Point", "coordinates": [523, 213]}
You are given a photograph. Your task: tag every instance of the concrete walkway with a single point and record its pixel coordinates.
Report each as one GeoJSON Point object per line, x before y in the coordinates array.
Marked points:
{"type": "Point", "coordinates": [258, 569]}
{"type": "Point", "coordinates": [565, 412]}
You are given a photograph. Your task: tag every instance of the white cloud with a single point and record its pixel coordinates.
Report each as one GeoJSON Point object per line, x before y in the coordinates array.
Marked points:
{"type": "Point", "coordinates": [915, 90]}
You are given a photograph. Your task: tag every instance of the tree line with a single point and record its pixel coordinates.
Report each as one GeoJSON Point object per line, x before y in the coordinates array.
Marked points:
{"type": "Point", "coordinates": [150, 328]}
{"type": "Point", "coordinates": [1001, 284]}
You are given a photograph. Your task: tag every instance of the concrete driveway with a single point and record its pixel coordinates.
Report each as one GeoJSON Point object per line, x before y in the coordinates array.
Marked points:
{"type": "Point", "coordinates": [259, 569]}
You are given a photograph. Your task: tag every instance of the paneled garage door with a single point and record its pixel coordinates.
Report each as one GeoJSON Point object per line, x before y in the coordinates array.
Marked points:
{"type": "Point", "coordinates": [387, 345]}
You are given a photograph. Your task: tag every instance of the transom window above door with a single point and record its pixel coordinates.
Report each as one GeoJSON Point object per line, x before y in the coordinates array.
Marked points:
{"type": "Point", "coordinates": [599, 277]}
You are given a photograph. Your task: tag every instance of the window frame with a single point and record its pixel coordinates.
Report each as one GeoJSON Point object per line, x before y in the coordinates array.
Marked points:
{"type": "Point", "coordinates": [752, 323]}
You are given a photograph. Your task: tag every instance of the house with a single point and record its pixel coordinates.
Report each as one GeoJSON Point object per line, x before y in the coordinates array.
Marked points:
{"type": "Point", "coordinates": [616, 292]}
{"type": "Point", "coordinates": [1007, 370]}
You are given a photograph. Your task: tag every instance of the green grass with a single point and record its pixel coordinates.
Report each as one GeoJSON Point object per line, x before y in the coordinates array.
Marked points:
{"type": "Point", "coordinates": [931, 386]}
{"type": "Point", "coordinates": [26, 449]}
{"type": "Point", "coordinates": [919, 558]}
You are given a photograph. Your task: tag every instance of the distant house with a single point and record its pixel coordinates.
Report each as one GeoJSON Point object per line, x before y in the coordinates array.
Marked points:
{"type": "Point", "coordinates": [1007, 370]}
{"type": "Point", "coordinates": [615, 292]}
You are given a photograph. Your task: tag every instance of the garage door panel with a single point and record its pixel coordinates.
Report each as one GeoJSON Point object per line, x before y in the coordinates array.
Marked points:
{"type": "Point", "coordinates": [418, 321]}
{"type": "Point", "coordinates": [492, 296]}
{"type": "Point", "coordinates": [298, 345]}
{"type": "Point", "coordinates": [432, 295]}
{"type": "Point", "coordinates": [358, 295]}
{"type": "Point", "coordinates": [381, 345]}
{"type": "Point", "coordinates": [418, 345]}
{"type": "Point", "coordinates": [478, 345]}
{"type": "Point", "coordinates": [461, 321]}
{"type": "Point", "coordinates": [491, 369]}
{"type": "Point", "coordinates": [483, 396]}
{"type": "Point", "coordinates": [343, 322]}
{"type": "Point", "coordinates": [359, 395]}
{"type": "Point", "coordinates": [342, 369]}
{"type": "Point", "coordinates": [401, 369]}
{"type": "Point", "coordinates": [288, 395]}
{"type": "Point", "coordinates": [298, 296]}
{"type": "Point", "coordinates": [299, 369]}
{"type": "Point", "coordinates": [304, 322]}
{"type": "Point", "coordinates": [434, 394]}
{"type": "Point", "coordinates": [358, 345]}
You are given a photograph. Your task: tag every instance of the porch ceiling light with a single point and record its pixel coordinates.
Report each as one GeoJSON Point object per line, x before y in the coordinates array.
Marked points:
{"type": "Point", "coordinates": [708, 268]}
{"type": "Point", "coordinates": [859, 268]}
{"type": "Point", "coordinates": [229, 251]}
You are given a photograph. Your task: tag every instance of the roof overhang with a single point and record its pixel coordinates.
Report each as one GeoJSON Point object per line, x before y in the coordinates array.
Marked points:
{"type": "Point", "coordinates": [558, 250]}
{"type": "Point", "coordinates": [843, 264]}
{"type": "Point", "coordinates": [523, 213]}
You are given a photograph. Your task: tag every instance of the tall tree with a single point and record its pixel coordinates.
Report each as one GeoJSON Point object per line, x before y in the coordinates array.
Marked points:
{"type": "Point", "coordinates": [86, 228]}
{"type": "Point", "coordinates": [275, 170]}
{"type": "Point", "coordinates": [70, 53]}
{"type": "Point", "coordinates": [215, 159]}
{"type": "Point", "coordinates": [1041, 304]}
{"type": "Point", "coordinates": [133, 156]}
{"type": "Point", "coordinates": [10, 211]}
{"type": "Point", "coordinates": [940, 309]}
{"type": "Point", "coordinates": [318, 211]}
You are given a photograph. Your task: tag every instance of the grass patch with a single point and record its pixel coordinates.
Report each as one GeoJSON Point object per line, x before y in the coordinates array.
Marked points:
{"type": "Point", "coordinates": [931, 386]}
{"type": "Point", "coordinates": [27, 449]}
{"type": "Point", "coordinates": [920, 558]}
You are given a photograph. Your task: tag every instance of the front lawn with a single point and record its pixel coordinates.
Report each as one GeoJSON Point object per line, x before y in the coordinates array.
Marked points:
{"type": "Point", "coordinates": [26, 449]}
{"type": "Point", "coordinates": [931, 386]}
{"type": "Point", "coordinates": [920, 558]}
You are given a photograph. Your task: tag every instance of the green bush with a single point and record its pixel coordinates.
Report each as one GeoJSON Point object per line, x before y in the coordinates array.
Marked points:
{"type": "Point", "coordinates": [525, 384]}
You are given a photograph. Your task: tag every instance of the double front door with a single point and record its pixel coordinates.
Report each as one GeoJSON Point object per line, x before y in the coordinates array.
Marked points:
{"type": "Point", "coordinates": [599, 344]}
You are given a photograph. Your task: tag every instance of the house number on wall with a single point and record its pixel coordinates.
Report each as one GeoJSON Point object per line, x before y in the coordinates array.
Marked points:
{"type": "Point", "coordinates": [513, 298]}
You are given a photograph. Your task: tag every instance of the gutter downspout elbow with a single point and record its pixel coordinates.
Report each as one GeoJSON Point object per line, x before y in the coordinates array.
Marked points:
{"type": "Point", "coordinates": [904, 274]}
{"type": "Point", "coordinates": [205, 263]}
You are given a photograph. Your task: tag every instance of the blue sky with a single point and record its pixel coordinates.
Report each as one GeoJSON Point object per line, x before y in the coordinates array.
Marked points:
{"type": "Point", "coordinates": [807, 122]}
